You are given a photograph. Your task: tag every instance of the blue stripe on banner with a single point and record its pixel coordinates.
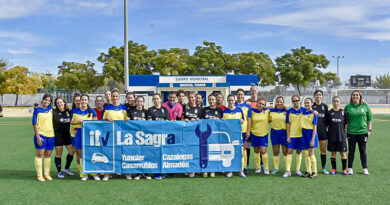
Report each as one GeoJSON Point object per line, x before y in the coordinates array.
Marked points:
{"type": "Point", "coordinates": [161, 147]}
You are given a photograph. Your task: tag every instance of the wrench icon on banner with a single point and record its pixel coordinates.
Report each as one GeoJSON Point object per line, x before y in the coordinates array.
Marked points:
{"type": "Point", "coordinates": [203, 146]}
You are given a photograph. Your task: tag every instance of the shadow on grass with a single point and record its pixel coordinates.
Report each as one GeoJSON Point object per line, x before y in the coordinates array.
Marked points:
{"type": "Point", "coordinates": [29, 175]}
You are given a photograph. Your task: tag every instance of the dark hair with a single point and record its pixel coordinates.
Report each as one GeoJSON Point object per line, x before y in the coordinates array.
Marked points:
{"type": "Point", "coordinates": [89, 108]}
{"type": "Point", "coordinates": [130, 93]}
{"type": "Point", "coordinates": [61, 98]}
{"type": "Point", "coordinates": [74, 97]}
{"type": "Point", "coordinates": [199, 94]}
{"type": "Point", "coordinates": [299, 98]}
{"type": "Point", "coordinates": [231, 95]}
{"type": "Point", "coordinates": [240, 89]}
{"type": "Point", "coordinates": [143, 99]}
{"type": "Point", "coordinates": [334, 97]}
{"type": "Point", "coordinates": [311, 100]}
{"type": "Point", "coordinates": [212, 95]}
{"type": "Point", "coordinates": [318, 91]}
{"type": "Point", "coordinates": [99, 96]}
{"type": "Point", "coordinates": [180, 92]}
{"type": "Point", "coordinates": [158, 94]}
{"type": "Point", "coordinates": [47, 95]}
{"type": "Point", "coordinates": [172, 93]}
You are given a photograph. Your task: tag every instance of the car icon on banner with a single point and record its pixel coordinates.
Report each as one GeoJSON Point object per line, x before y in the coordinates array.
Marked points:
{"type": "Point", "coordinates": [223, 152]}
{"type": "Point", "coordinates": [99, 157]}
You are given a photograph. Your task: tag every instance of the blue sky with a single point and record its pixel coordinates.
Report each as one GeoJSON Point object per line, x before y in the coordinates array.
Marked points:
{"type": "Point", "coordinates": [40, 34]}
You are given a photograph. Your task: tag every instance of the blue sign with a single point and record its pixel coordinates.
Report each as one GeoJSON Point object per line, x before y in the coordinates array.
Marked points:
{"type": "Point", "coordinates": [161, 146]}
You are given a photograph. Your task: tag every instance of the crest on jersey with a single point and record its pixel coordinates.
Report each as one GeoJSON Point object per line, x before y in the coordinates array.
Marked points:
{"type": "Point", "coordinates": [362, 109]}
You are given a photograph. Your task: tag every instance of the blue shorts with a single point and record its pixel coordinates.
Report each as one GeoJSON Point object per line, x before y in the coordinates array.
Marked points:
{"type": "Point", "coordinates": [47, 143]}
{"type": "Point", "coordinates": [76, 140]}
{"type": "Point", "coordinates": [307, 135]}
{"type": "Point", "coordinates": [279, 137]}
{"type": "Point", "coordinates": [259, 141]}
{"type": "Point", "coordinates": [296, 143]}
{"type": "Point", "coordinates": [244, 139]}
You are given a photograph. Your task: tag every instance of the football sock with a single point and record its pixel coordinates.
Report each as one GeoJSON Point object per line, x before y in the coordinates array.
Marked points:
{"type": "Point", "coordinates": [257, 160]}
{"type": "Point", "coordinates": [46, 166]}
{"type": "Point", "coordinates": [288, 162]}
{"type": "Point", "coordinates": [323, 160]}
{"type": "Point", "coordinates": [276, 162]}
{"type": "Point", "coordinates": [265, 160]}
{"type": "Point", "coordinates": [57, 161]}
{"type": "Point", "coordinates": [298, 163]}
{"type": "Point", "coordinates": [333, 162]}
{"type": "Point", "coordinates": [313, 163]}
{"type": "Point", "coordinates": [38, 166]}
{"type": "Point", "coordinates": [245, 158]}
{"type": "Point", "coordinates": [344, 163]}
{"type": "Point", "coordinates": [69, 159]}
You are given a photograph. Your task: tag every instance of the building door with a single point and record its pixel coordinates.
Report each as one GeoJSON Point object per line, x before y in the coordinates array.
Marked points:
{"type": "Point", "coordinates": [165, 95]}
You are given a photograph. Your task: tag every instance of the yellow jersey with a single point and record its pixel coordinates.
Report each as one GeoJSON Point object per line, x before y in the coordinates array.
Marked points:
{"type": "Point", "coordinates": [43, 118]}
{"type": "Point", "coordinates": [260, 122]}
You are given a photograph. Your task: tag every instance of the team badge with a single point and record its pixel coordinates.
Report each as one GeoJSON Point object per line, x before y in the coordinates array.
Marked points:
{"type": "Point", "coordinates": [216, 112]}
{"type": "Point", "coordinates": [196, 111]}
{"type": "Point", "coordinates": [162, 110]}
{"type": "Point", "coordinates": [323, 108]}
{"type": "Point", "coordinates": [362, 109]}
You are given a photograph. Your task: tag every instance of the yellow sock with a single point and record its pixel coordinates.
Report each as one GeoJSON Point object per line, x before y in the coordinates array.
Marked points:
{"type": "Point", "coordinates": [313, 163]}
{"type": "Point", "coordinates": [80, 169]}
{"type": "Point", "coordinates": [276, 162]}
{"type": "Point", "coordinates": [285, 160]}
{"type": "Point", "coordinates": [257, 160]}
{"type": "Point", "coordinates": [46, 166]}
{"type": "Point", "coordinates": [265, 160]}
{"type": "Point", "coordinates": [245, 159]}
{"type": "Point", "coordinates": [307, 162]}
{"type": "Point", "coordinates": [299, 160]}
{"type": "Point", "coordinates": [38, 166]}
{"type": "Point", "coordinates": [288, 162]}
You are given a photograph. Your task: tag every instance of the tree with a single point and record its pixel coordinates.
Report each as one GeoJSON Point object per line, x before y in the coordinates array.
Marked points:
{"type": "Point", "coordinates": [171, 62]}
{"type": "Point", "coordinates": [48, 81]}
{"type": "Point", "coordinates": [383, 82]}
{"type": "Point", "coordinates": [209, 60]}
{"type": "Point", "coordinates": [257, 63]}
{"type": "Point", "coordinates": [300, 67]}
{"type": "Point", "coordinates": [4, 63]}
{"type": "Point", "coordinates": [78, 76]}
{"type": "Point", "coordinates": [139, 61]}
{"type": "Point", "coordinates": [17, 81]}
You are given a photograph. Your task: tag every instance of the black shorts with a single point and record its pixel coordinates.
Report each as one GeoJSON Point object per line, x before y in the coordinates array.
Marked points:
{"type": "Point", "coordinates": [62, 140]}
{"type": "Point", "coordinates": [322, 135]}
{"type": "Point", "coordinates": [336, 146]}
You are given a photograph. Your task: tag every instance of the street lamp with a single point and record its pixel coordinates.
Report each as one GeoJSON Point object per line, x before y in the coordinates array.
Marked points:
{"type": "Point", "coordinates": [126, 53]}
{"type": "Point", "coordinates": [338, 60]}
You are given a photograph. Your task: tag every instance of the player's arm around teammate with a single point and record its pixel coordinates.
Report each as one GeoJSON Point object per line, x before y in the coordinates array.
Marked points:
{"type": "Point", "coordinates": [310, 138]}
{"type": "Point", "coordinates": [61, 125]}
{"type": "Point", "coordinates": [322, 110]}
{"type": "Point", "coordinates": [112, 112]}
{"type": "Point", "coordinates": [233, 112]}
{"type": "Point", "coordinates": [259, 134]}
{"type": "Point", "coordinates": [278, 132]}
{"type": "Point", "coordinates": [336, 122]}
{"type": "Point", "coordinates": [44, 137]}
{"type": "Point", "coordinates": [294, 136]}
{"type": "Point", "coordinates": [84, 112]}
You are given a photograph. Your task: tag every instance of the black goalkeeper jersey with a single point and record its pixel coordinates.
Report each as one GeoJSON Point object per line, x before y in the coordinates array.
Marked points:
{"type": "Point", "coordinates": [322, 110]}
{"type": "Point", "coordinates": [192, 112]}
{"type": "Point", "coordinates": [158, 114]}
{"type": "Point", "coordinates": [135, 114]}
{"type": "Point", "coordinates": [210, 113]}
{"type": "Point", "coordinates": [336, 121]}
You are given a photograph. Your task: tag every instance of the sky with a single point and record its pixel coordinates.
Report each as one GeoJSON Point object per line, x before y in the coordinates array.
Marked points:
{"type": "Point", "coordinates": [40, 34]}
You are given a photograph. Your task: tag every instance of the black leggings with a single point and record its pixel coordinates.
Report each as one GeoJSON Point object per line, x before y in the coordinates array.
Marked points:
{"type": "Point", "coordinates": [362, 142]}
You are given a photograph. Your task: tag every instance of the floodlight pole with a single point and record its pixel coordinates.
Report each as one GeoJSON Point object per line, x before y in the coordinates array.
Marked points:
{"type": "Point", "coordinates": [126, 52]}
{"type": "Point", "coordinates": [338, 61]}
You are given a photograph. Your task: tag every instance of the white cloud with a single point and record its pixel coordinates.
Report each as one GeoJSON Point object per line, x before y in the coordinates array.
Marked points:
{"type": "Point", "coordinates": [233, 6]}
{"type": "Point", "coordinates": [21, 51]}
{"type": "Point", "coordinates": [19, 8]}
{"type": "Point", "coordinates": [358, 19]}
